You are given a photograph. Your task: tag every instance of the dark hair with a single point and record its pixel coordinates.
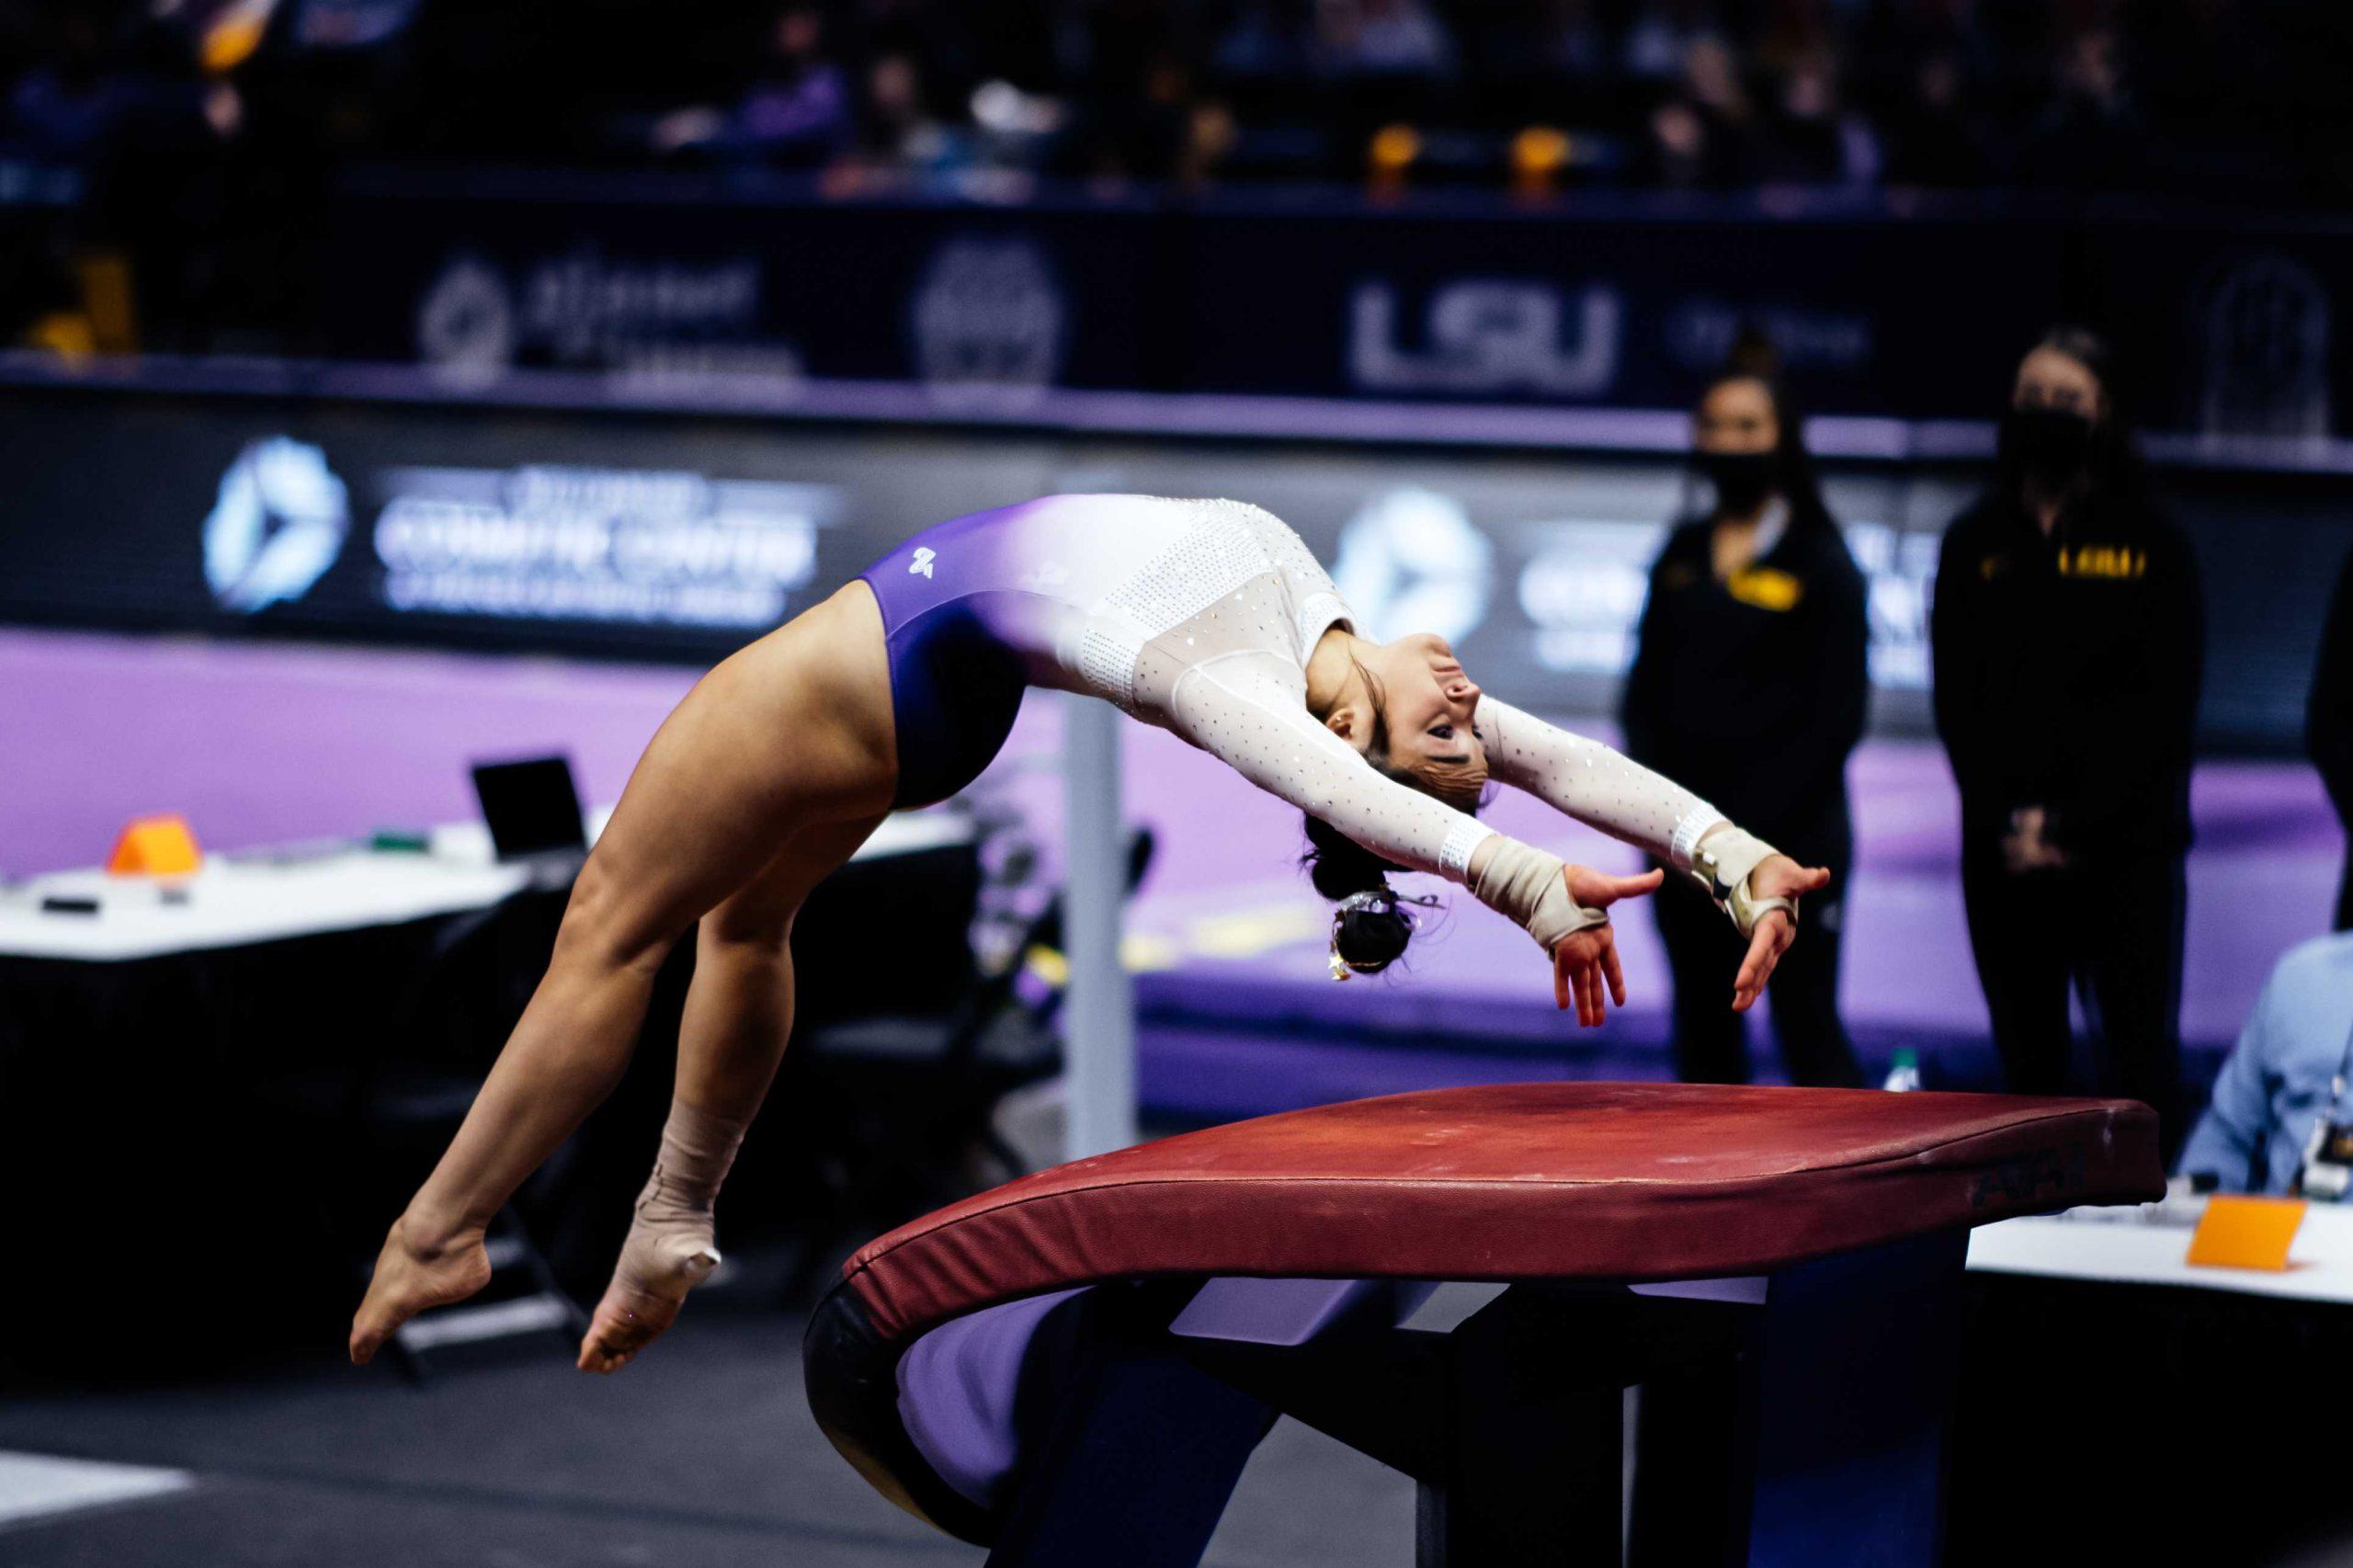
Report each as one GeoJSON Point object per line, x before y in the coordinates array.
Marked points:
{"type": "Point", "coordinates": [2113, 467]}
{"type": "Point", "coordinates": [1371, 937]}
{"type": "Point", "coordinates": [1753, 360]}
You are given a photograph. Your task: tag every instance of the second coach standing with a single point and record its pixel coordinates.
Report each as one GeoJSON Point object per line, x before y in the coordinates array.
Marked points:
{"type": "Point", "coordinates": [1750, 685]}
{"type": "Point", "coordinates": [2068, 635]}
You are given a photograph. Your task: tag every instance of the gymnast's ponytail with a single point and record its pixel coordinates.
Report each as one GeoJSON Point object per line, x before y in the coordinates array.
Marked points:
{"type": "Point", "coordinates": [1369, 931]}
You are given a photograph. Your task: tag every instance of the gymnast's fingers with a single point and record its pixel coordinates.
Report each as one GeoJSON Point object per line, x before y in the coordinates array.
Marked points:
{"type": "Point", "coordinates": [1765, 949]}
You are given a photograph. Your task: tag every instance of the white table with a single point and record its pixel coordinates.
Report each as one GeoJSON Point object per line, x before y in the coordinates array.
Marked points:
{"type": "Point", "coordinates": [268, 895]}
{"type": "Point", "coordinates": [2101, 1246]}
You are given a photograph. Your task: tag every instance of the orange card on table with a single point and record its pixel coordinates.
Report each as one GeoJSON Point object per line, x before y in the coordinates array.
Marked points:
{"type": "Point", "coordinates": [2246, 1233]}
{"type": "Point", "coordinates": [155, 846]}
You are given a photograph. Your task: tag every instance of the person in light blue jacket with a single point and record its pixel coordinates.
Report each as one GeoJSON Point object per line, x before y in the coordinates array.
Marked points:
{"type": "Point", "coordinates": [2282, 1075]}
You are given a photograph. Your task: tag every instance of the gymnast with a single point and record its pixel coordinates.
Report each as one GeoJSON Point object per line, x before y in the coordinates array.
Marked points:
{"type": "Point", "coordinates": [1209, 618]}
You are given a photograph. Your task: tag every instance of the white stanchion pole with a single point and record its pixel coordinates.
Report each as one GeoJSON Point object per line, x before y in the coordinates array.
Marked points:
{"type": "Point", "coordinates": [1098, 1012]}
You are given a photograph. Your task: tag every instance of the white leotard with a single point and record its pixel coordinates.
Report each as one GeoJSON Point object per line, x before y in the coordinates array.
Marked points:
{"type": "Point", "coordinates": [1199, 617]}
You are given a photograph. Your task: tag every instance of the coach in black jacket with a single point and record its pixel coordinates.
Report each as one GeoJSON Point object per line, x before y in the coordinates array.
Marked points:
{"type": "Point", "coordinates": [1749, 685]}
{"type": "Point", "coordinates": [2068, 635]}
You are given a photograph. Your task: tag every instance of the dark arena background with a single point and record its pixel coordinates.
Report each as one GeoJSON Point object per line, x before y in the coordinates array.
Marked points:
{"type": "Point", "coordinates": [393, 390]}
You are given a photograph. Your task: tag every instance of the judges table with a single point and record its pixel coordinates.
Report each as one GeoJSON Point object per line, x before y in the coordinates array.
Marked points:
{"type": "Point", "coordinates": [277, 895]}
{"type": "Point", "coordinates": [2216, 1388]}
{"type": "Point", "coordinates": [269, 1048]}
{"type": "Point", "coordinates": [2137, 1246]}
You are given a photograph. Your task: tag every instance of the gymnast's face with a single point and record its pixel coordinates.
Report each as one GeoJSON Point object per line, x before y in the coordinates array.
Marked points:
{"type": "Point", "coordinates": [1428, 709]}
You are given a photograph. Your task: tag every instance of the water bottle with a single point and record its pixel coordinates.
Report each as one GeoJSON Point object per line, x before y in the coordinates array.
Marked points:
{"type": "Point", "coordinates": [1904, 1073]}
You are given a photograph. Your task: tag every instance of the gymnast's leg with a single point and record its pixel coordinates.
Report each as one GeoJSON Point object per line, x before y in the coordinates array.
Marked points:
{"type": "Point", "coordinates": [738, 1016]}
{"type": "Point", "coordinates": [791, 730]}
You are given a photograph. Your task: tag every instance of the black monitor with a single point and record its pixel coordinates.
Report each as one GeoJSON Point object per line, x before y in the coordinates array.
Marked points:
{"type": "Point", "coordinates": [531, 807]}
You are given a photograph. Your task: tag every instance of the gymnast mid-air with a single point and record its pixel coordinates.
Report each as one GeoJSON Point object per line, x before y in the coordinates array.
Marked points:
{"type": "Point", "coordinates": [1209, 618]}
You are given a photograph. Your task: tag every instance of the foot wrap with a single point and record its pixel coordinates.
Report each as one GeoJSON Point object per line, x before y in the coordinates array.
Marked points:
{"type": "Point", "coordinates": [669, 1250]}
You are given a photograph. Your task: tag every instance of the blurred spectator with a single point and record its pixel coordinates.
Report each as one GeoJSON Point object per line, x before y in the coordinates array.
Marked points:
{"type": "Point", "coordinates": [1704, 134]}
{"type": "Point", "coordinates": [1381, 37]}
{"type": "Point", "coordinates": [1659, 39]}
{"type": "Point", "coordinates": [1933, 138]}
{"type": "Point", "coordinates": [1262, 41]}
{"type": "Point", "coordinates": [797, 115]}
{"type": "Point", "coordinates": [2328, 724]}
{"type": "Point", "coordinates": [2284, 1075]}
{"type": "Point", "coordinates": [1133, 91]}
{"type": "Point", "coordinates": [1210, 137]}
{"type": "Point", "coordinates": [897, 133]}
{"type": "Point", "coordinates": [1811, 140]}
{"type": "Point", "coordinates": [1569, 39]}
{"type": "Point", "coordinates": [2211, 93]}
{"type": "Point", "coordinates": [1749, 684]}
{"type": "Point", "coordinates": [109, 95]}
{"type": "Point", "coordinates": [67, 109]}
{"type": "Point", "coordinates": [2088, 135]}
{"type": "Point", "coordinates": [2068, 634]}
{"type": "Point", "coordinates": [1792, 32]}
{"type": "Point", "coordinates": [258, 107]}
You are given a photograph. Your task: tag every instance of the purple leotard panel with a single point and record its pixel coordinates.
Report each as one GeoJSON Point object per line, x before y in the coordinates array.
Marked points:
{"type": "Point", "coordinates": [957, 672]}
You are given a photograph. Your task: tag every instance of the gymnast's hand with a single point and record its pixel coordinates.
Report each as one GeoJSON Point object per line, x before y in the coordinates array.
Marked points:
{"type": "Point", "coordinates": [414, 1271]}
{"type": "Point", "coordinates": [1585, 962]}
{"type": "Point", "coordinates": [1776, 876]}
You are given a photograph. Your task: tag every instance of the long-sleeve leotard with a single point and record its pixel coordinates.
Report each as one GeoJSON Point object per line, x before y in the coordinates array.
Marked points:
{"type": "Point", "coordinates": [1599, 786]}
{"type": "Point", "coordinates": [1198, 616]}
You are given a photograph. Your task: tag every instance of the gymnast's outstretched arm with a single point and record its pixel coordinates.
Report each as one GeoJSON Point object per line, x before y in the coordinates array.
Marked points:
{"type": "Point", "coordinates": [1604, 789]}
{"type": "Point", "coordinates": [1248, 711]}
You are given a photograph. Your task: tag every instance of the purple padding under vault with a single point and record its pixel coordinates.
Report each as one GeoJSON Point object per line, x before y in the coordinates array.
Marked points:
{"type": "Point", "coordinates": [1286, 1312]}
{"type": "Point", "coordinates": [958, 1383]}
{"type": "Point", "coordinates": [957, 1386]}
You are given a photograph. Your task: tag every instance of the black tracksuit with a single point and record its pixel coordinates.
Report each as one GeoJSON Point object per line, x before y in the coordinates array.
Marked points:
{"type": "Point", "coordinates": [1751, 691]}
{"type": "Point", "coordinates": [2328, 724]}
{"type": "Point", "coordinates": [2066, 677]}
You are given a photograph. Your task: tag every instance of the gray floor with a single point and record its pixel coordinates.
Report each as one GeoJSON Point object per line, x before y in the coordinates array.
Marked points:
{"type": "Point", "coordinates": [702, 1453]}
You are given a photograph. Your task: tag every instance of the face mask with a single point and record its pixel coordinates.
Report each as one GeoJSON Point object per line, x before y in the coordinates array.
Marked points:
{"type": "Point", "coordinates": [2049, 443]}
{"type": "Point", "coordinates": [1743, 480]}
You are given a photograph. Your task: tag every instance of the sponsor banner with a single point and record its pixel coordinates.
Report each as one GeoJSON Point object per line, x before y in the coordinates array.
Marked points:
{"type": "Point", "coordinates": [1624, 303]}
{"type": "Point", "coordinates": [984, 307]}
{"type": "Point", "coordinates": [683, 538]}
{"type": "Point", "coordinates": [404, 524]}
{"type": "Point", "coordinates": [2237, 335]}
{"type": "Point", "coordinates": [1614, 309]}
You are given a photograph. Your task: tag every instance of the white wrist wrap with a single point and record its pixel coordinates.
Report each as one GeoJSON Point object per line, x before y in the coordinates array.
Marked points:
{"type": "Point", "coordinates": [1527, 885]}
{"type": "Point", "coordinates": [1463, 841]}
{"type": "Point", "coordinates": [1688, 829]}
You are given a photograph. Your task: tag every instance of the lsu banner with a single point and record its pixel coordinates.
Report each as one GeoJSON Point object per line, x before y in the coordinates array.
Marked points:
{"type": "Point", "coordinates": [1912, 311]}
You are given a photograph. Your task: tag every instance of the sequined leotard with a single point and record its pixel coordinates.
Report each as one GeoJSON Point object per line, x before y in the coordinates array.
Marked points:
{"type": "Point", "coordinates": [1198, 617]}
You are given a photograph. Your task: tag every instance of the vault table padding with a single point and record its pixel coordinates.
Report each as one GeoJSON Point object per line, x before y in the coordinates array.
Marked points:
{"type": "Point", "coordinates": [1529, 1181]}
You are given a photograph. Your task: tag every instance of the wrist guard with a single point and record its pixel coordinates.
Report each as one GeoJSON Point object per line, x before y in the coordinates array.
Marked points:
{"type": "Point", "coordinates": [1527, 886]}
{"type": "Point", "coordinates": [1721, 866]}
